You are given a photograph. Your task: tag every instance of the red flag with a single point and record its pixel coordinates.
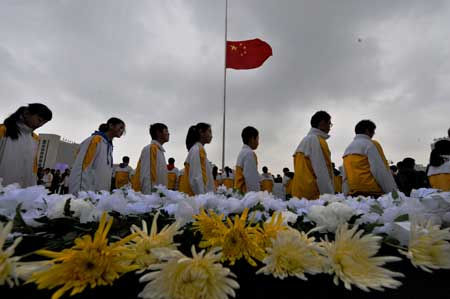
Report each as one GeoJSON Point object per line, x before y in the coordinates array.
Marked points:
{"type": "Point", "coordinates": [247, 54]}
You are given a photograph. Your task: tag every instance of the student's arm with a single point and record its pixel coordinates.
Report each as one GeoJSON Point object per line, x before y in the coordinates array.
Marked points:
{"type": "Point", "coordinates": [379, 171]}
{"type": "Point", "coordinates": [320, 167]}
{"type": "Point", "coordinates": [251, 174]}
{"type": "Point", "coordinates": [195, 172]}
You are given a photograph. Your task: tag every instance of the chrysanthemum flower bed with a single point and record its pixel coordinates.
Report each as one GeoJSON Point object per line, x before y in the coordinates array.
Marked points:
{"type": "Point", "coordinates": [167, 245]}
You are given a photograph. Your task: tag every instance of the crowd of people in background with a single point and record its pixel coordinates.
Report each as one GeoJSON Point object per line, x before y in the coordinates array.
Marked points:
{"type": "Point", "coordinates": [365, 170]}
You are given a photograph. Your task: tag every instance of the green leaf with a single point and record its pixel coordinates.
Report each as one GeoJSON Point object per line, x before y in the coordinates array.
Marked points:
{"type": "Point", "coordinates": [395, 194]}
{"type": "Point", "coordinates": [67, 211]}
{"type": "Point", "coordinates": [401, 218]}
{"type": "Point", "coordinates": [376, 209]}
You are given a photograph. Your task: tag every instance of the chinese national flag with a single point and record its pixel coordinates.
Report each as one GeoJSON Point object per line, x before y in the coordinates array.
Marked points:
{"type": "Point", "coordinates": [247, 54]}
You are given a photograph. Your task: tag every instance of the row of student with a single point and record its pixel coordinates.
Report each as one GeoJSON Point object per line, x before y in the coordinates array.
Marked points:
{"type": "Point", "coordinates": [365, 168]}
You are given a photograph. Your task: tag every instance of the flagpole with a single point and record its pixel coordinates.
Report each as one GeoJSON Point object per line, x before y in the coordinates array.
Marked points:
{"type": "Point", "coordinates": [224, 87]}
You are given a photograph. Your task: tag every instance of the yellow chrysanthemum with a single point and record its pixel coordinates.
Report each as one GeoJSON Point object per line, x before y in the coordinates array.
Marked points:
{"type": "Point", "coordinates": [89, 262]}
{"type": "Point", "coordinates": [293, 254]}
{"type": "Point", "coordinates": [237, 239]}
{"type": "Point", "coordinates": [211, 227]}
{"type": "Point", "coordinates": [272, 228]}
{"type": "Point", "coordinates": [242, 240]}
{"type": "Point", "coordinates": [428, 246]}
{"type": "Point", "coordinates": [181, 277]}
{"type": "Point", "coordinates": [7, 261]}
{"type": "Point", "coordinates": [351, 258]}
{"type": "Point", "coordinates": [144, 241]}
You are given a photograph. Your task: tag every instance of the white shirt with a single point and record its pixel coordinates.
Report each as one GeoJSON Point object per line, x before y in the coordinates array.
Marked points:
{"type": "Point", "coordinates": [363, 145]}
{"type": "Point", "coordinates": [17, 158]}
{"type": "Point", "coordinates": [247, 161]}
{"type": "Point", "coordinates": [195, 171]}
{"type": "Point", "coordinates": [146, 180]}
{"type": "Point", "coordinates": [310, 147]}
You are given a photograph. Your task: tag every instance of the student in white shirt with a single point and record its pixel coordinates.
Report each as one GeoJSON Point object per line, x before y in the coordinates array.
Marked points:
{"type": "Point", "coordinates": [19, 144]}
{"type": "Point", "coordinates": [198, 170]}
{"type": "Point", "coordinates": [247, 176]}
{"type": "Point", "coordinates": [152, 169]}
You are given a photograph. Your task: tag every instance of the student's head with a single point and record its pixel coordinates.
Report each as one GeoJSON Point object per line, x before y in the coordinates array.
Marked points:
{"type": "Point", "coordinates": [126, 159]}
{"type": "Point", "coordinates": [285, 170]}
{"type": "Point", "coordinates": [114, 127]}
{"type": "Point", "coordinates": [441, 148]}
{"type": "Point", "coordinates": [47, 170]}
{"type": "Point", "coordinates": [321, 120]}
{"type": "Point", "coordinates": [159, 132]}
{"type": "Point", "coordinates": [408, 163]}
{"type": "Point", "coordinates": [228, 170]}
{"type": "Point", "coordinates": [366, 127]}
{"type": "Point", "coordinates": [250, 137]}
{"type": "Point", "coordinates": [393, 168]}
{"type": "Point", "coordinates": [265, 169]}
{"type": "Point", "coordinates": [290, 174]}
{"type": "Point", "coordinates": [171, 161]}
{"type": "Point", "coordinates": [201, 132]}
{"type": "Point", "coordinates": [34, 116]}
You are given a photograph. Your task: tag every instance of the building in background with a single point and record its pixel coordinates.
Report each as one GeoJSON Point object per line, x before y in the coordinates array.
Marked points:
{"type": "Point", "coordinates": [56, 152]}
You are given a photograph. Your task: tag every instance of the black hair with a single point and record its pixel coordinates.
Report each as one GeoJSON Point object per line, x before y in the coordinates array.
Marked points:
{"type": "Point", "coordinates": [125, 159]}
{"type": "Point", "coordinates": [265, 169]}
{"type": "Point", "coordinates": [364, 125]}
{"type": "Point", "coordinates": [228, 171]}
{"type": "Point", "coordinates": [171, 160]}
{"type": "Point", "coordinates": [442, 147]}
{"type": "Point", "coordinates": [290, 175]}
{"type": "Point", "coordinates": [393, 168]}
{"type": "Point", "coordinates": [155, 128]}
{"type": "Point", "coordinates": [214, 171]}
{"type": "Point", "coordinates": [249, 133]}
{"type": "Point", "coordinates": [193, 134]}
{"type": "Point", "coordinates": [318, 117]}
{"type": "Point", "coordinates": [285, 169]}
{"type": "Point", "coordinates": [12, 130]}
{"type": "Point", "coordinates": [111, 122]}
{"type": "Point", "coordinates": [408, 163]}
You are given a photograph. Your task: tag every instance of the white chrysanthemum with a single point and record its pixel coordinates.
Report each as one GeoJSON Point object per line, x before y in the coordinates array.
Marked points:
{"type": "Point", "coordinates": [331, 216]}
{"type": "Point", "coordinates": [7, 261]}
{"type": "Point", "coordinates": [292, 254]}
{"type": "Point", "coordinates": [351, 258]}
{"type": "Point", "coordinates": [179, 276]}
{"type": "Point", "coordinates": [428, 246]}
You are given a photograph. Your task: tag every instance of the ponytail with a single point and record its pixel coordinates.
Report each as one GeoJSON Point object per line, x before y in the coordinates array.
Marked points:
{"type": "Point", "coordinates": [12, 129]}
{"type": "Point", "coordinates": [192, 137]}
{"type": "Point", "coordinates": [111, 122]}
{"type": "Point", "coordinates": [193, 134]}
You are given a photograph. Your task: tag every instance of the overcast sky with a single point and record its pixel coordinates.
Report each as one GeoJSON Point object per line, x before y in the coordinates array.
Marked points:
{"type": "Point", "coordinates": [162, 61]}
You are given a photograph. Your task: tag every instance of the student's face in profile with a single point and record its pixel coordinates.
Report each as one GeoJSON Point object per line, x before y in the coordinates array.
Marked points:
{"type": "Point", "coordinates": [325, 125]}
{"type": "Point", "coordinates": [117, 130]}
{"type": "Point", "coordinates": [164, 136]}
{"type": "Point", "coordinates": [33, 121]}
{"type": "Point", "coordinates": [254, 142]}
{"type": "Point", "coordinates": [206, 136]}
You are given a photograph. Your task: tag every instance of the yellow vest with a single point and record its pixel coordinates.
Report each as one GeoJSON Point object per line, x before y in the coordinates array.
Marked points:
{"type": "Point", "coordinates": [121, 178]}
{"type": "Point", "coordinates": [359, 177]}
{"type": "Point", "coordinates": [267, 185]}
{"type": "Point", "coordinates": [440, 181]}
{"type": "Point", "coordinates": [171, 180]}
{"type": "Point", "coordinates": [304, 183]}
{"type": "Point", "coordinates": [338, 184]}
{"type": "Point", "coordinates": [239, 180]}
